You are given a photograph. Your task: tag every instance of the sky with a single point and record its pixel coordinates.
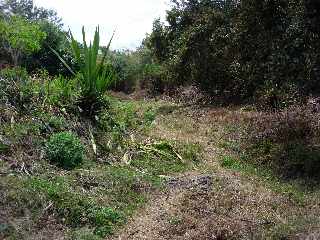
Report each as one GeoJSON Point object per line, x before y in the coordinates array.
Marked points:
{"type": "Point", "coordinates": [131, 19]}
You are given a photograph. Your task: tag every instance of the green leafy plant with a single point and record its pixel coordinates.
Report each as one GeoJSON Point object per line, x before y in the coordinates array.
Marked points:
{"type": "Point", "coordinates": [20, 37]}
{"type": "Point", "coordinates": [95, 76]}
{"type": "Point", "coordinates": [62, 91]}
{"type": "Point", "coordinates": [65, 150]}
{"type": "Point", "coordinates": [4, 148]}
{"type": "Point", "coordinates": [76, 209]}
{"type": "Point", "coordinates": [17, 88]}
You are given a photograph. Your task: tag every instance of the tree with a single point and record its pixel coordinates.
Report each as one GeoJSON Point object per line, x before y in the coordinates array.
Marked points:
{"type": "Point", "coordinates": [49, 23]}
{"type": "Point", "coordinates": [57, 39]}
{"type": "Point", "coordinates": [27, 10]}
{"type": "Point", "coordinates": [195, 46]}
{"type": "Point", "coordinates": [20, 37]}
{"type": "Point", "coordinates": [157, 41]}
{"type": "Point", "coordinates": [244, 49]}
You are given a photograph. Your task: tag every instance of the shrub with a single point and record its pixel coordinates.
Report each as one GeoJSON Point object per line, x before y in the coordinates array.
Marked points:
{"type": "Point", "coordinates": [16, 88]}
{"type": "Point", "coordinates": [20, 37]}
{"type": "Point", "coordinates": [286, 141]}
{"type": "Point", "coordinates": [62, 91]}
{"type": "Point", "coordinates": [127, 70]}
{"type": "Point", "coordinates": [95, 76]}
{"type": "Point", "coordinates": [154, 79]}
{"type": "Point", "coordinates": [65, 150]}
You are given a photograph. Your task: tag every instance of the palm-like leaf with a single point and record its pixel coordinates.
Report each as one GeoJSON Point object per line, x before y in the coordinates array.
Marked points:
{"type": "Point", "coordinates": [95, 78]}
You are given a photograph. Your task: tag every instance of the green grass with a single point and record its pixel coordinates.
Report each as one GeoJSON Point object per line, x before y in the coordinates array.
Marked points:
{"type": "Point", "coordinates": [192, 152]}
{"type": "Point", "coordinates": [93, 203]}
{"type": "Point", "coordinates": [4, 148]}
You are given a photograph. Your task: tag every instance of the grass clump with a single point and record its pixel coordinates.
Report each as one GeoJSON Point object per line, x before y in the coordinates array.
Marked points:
{"type": "Point", "coordinates": [65, 150]}
{"type": "Point", "coordinates": [76, 209]}
{"type": "Point", "coordinates": [57, 123]}
{"type": "Point", "coordinates": [158, 158]}
{"type": "Point", "coordinates": [4, 148]}
{"type": "Point", "coordinates": [192, 152]}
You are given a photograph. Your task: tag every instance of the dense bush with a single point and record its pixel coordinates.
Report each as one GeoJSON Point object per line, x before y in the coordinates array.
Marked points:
{"type": "Point", "coordinates": [15, 88]}
{"type": "Point", "coordinates": [287, 141]}
{"type": "Point", "coordinates": [250, 49]}
{"type": "Point", "coordinates": [37, 18]}
{"type": "Point", "coordinates": [154, 79]}
{"type": "Point", "coordinates": [20, 37]}
{"type": "Point", "coordinates": [65, 150]}
{"type": "Point", "coordinates": [127, 67]}
{"type": "Point", "coordinates": [56, 38]}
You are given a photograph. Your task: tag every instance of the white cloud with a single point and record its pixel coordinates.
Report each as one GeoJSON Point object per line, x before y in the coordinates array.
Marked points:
{"type": "Point", "coordinates": [132, 19]}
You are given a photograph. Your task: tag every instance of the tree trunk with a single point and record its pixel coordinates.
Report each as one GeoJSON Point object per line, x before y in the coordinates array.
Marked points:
{"type": "Point", "coordinates": [15, 56]}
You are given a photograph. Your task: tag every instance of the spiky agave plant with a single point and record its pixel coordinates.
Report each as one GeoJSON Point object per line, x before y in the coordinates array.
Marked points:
{"type": "Point", "coordinates": [95, 76]}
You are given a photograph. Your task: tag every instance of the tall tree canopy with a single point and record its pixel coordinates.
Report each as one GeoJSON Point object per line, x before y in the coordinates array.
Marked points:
{"type": "Point", "coordinates": [19, 37]}
{"type": "Point", "coordinates": [241, 49]}
{"type": "Point", "coordinates": [47, 21]}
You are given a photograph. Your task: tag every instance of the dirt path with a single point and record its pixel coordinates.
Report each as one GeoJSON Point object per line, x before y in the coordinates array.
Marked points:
{"type": "Point", "coordinates": [213, 203]}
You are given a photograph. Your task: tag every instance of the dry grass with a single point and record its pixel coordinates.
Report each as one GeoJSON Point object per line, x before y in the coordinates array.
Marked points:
{"type": "Point", "coordinates": [207, 201]}
{"type": "Point", "coordinates": [238, 204]}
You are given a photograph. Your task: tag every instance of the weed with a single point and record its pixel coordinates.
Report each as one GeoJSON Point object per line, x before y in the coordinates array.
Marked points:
{"type": "Point", "coordinates": [4, 148]}
{"type": "Point", "coordinates": [77, 210]}
{"type": "Point", "coordinates": [174, 220]}
{"type": "Point", "coordinates": [65, 150]}
{"type": "Point", "coordinates": [192, 152]}
{"type": "Point", "coordinates": [149, 116]}
{"type": "Point", "coordinates": [159, 158]}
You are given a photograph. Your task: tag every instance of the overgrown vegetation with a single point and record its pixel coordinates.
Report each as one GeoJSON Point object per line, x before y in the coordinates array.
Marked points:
{"type": "Point", "coordinates": [286, 141]}
{"type": "Point", "coordinates": [241, 50]}
{"type": "Point", "coordinates": [65, 150]}
{"type": "Point", "coordinates": [78, 160]}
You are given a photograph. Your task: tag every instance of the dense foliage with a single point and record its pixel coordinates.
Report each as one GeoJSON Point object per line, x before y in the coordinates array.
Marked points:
{"type": "Point", "coordinates": [20, 37]}
{"type": "Point", "coordinates": [65, 150]}
{"type": "Point", "coordinates": [45, 22]}
{"type": "Point", "coordinates": [241, 49]}
{"type": "Point", "coordinates": [95, 77]}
